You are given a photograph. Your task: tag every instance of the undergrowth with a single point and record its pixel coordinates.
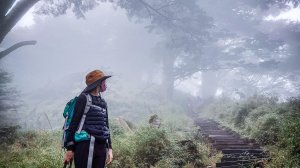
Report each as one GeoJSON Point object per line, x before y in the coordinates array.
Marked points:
{"type": "Point", "coordinates": [275, 125]}
{"type": "Point", "coordinates": [144, 147]}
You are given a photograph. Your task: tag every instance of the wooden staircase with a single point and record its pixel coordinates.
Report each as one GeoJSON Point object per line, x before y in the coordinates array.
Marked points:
{"type": "Point", "coordinates": [237, 152]}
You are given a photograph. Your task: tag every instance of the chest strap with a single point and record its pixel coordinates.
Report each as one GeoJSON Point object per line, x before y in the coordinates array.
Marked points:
{"type": "Point", "coordinates": [86, 109]}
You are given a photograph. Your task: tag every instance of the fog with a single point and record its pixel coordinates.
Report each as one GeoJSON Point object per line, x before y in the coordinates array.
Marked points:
{"type": "Point", "coordinates": [204, 49]}
{"type": "Point", "coordinates": [67, 45]}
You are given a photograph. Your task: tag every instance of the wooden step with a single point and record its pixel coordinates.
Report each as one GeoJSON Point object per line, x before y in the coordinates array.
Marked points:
{"type": "Point", "coordinates": [246, 155]}
{"type": "Point", "coordinates": [228, 141]}
{"type": "Point", "coordinates": [238, 159]}
{"type": "Point", "coordinates": [228, 167]}
{"type": "Point", "coordinates": [233, 151]}
{"type": "Point", "coordinates": [235, 163]}
{"type": "Point", "coordinates": [216, 132]}
{"type": "Point", "coordinates": [234, 147]}
{"type": "Point", "coordinates": [235, 144]}
{"type": "Point", "coordinates": [223, 137]}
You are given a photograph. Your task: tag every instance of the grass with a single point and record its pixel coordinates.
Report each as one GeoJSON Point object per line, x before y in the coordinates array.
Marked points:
{"type": "Point", "coordinates": [33, 150]}
{"type": "Point", "coordinates": [145, 147]}
{"type": "Point", "coordinates": [275, 125]}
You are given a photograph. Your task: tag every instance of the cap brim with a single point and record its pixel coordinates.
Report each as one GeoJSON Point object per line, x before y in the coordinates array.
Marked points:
{"type": "Point", "coordinates": [95, 84]}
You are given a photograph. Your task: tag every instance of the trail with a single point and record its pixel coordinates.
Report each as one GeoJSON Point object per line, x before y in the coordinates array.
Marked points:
{"type": "Point", "coordinates": [237, 152]}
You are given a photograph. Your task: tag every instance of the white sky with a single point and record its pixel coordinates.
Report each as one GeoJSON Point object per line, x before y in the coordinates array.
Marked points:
{"type": "Point", "coordinates": [290, 15]}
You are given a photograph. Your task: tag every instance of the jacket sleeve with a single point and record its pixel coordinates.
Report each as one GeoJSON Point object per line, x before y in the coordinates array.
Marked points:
{"type": "Point", "coordinates": [109, 139]}
{"type": "Point", "coordinates": [78, 113]}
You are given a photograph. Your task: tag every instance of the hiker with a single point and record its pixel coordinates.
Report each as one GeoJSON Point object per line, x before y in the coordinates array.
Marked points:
{"type": "Point", "coordinates": [95, 152]}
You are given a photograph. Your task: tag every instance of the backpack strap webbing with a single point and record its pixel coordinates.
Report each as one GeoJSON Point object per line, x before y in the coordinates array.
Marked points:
{"type": "Point", "coordinates": [91, 152]}
{"type": "Point", "coordinates": [86, 109]}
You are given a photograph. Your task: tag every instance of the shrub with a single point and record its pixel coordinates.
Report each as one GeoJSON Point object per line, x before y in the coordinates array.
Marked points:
{"type": "Point", "coordinates": [267, 130]}
{"type": "Point", "coordinates": [116, 129]}
{"type": "Point", "coordinates": [144, 147]}
{"type": "Point", "coordinates": [123, 152]}
{"type": "Point", "coordinates": [290, 140]}
{"type": "Point", "coordinates": [273, 124]}
{"type": "Point", "coordinates": [150, 145]}
{"type": "Point", "coordinates": [8, 135]}
{"type": "Point", "coordinates": [33, 149]}
{"type": "Point", "coordinates": [240, 117]}
{"type": "Point", "coordinates": [191, 153]}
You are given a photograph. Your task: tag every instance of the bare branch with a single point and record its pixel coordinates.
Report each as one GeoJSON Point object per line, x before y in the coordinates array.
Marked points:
{"type": "Point", "coordinates": [155, 10]}
{"type": "Point", "coordinates": [166, 5]}
{"type": "Point", "coordinates": [16, 46]}
{"type": "Point", "coordinates": [170, 20]}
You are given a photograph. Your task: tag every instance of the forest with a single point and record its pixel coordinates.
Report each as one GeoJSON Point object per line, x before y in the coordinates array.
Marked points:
{"type": "Point", "coordinates": [184, 72]}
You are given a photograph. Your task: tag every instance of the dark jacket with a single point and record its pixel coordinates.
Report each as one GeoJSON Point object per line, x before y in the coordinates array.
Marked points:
{"type": "Point", "coordinates": [78, 113]}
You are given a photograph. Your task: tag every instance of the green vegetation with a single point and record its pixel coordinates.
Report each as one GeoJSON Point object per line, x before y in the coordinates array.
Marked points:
{"type": "Point", "coordinates": [154, 147]}
{"type": "Point", "coordinates": [273, 124]}
{"type": "Point", "coordinates": [33, 150]}
{"type": "Point", "coordinates": [143, 147]}
{"type": "Point", "coordinates": [136, 143]}
{"type": "Point", "coordinates": [7, 104]}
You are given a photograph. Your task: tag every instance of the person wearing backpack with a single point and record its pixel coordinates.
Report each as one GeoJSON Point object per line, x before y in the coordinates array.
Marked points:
{"type": "Point", "coordinates": [88, 140]}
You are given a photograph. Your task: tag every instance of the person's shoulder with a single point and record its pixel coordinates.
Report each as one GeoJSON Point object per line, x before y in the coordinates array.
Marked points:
{"type": "Point", "coordinates": [81, 98]}
{"type": "Point", "coordinates": [104, 103]}
{"type": "Point", "coordinates": [103, 99]}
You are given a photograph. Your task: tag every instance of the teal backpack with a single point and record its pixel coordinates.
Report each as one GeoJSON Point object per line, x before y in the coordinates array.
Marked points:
{"type": "Point", "coordinates": [80, 134]}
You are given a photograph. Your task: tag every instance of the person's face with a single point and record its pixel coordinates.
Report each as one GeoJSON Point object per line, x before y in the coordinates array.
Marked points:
{"type": "Point", "coordinates": [103, 86]}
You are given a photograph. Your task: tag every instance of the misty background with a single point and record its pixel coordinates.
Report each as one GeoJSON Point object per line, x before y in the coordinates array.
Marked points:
{"type": "Point", "coordinates": [203, 49]}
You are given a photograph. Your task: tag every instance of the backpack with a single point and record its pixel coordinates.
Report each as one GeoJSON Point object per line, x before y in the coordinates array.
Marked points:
{"type": "Point", "coordinates": [68, 113]}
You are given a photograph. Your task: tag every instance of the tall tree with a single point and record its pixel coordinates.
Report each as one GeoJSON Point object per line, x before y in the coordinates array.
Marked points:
{"type": "Point", "coordinates": [237, 38]}
{"type": "Point", "coordinates": [184, 27]}
{"type": "Point", "coordinates": [252, 45]}
{"type": "Point", "coordinates": [181, 22]}
{"type": "Point", "coordinates": [10, 13]}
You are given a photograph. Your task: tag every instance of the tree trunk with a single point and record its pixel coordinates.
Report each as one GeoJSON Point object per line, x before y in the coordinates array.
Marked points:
{"type": "Point", "coordinates": [7, 22]}
{"type": "Point", "coordinates": [4, 7]}
{"type": "Point", "coordinates": [168, 75]}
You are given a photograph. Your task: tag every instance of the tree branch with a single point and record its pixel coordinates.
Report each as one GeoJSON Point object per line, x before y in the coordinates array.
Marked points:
{"type": "Point", "coordinates": [16, 46]}
{"type": "Point", "coordinates": [166, 5]}
{"type": "Point", "coordinates": [168, 19]}
{"type": "Point", "coordinates": [15, 14]}
{"type": "Point", "coordinates": [155, 10]}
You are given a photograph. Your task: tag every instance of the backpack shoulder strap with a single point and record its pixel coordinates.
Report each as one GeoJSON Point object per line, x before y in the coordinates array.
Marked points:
{"type": "Point", "coordinates": [86, 109]}
{"type": "Point", "coordinates": [91, 152]}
